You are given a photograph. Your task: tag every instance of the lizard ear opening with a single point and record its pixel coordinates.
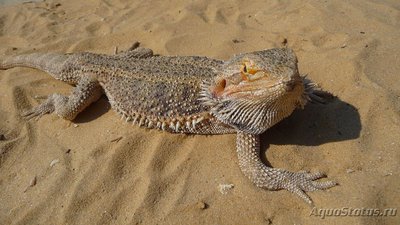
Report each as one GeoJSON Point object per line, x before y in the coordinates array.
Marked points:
{"type": "Point", "coordinates": [219, 87]}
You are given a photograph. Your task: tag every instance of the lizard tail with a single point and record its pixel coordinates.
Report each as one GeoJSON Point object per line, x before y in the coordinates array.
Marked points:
{"type": "Point", "coordinates": [51, 63]}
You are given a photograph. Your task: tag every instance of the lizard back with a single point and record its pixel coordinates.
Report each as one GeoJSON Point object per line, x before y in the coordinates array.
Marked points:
{"type": "Point", "coordinates": [159, 91]}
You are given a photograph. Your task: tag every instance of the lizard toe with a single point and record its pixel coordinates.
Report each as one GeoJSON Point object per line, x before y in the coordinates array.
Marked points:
{"type": "Point", "coordinates": [301, 182]}
{"type": "Point", "coordinates": [324, 185]}
{"type": "Point", "coordinates": [314, 176]}
{"type": "Point", "coordinates": [299, 192]}
{"type": "Point", "coordinates": [37, 112]}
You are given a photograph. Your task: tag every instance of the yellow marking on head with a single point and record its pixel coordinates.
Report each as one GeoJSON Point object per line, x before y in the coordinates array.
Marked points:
{"type": "Point", "coordinates": [251, 72]}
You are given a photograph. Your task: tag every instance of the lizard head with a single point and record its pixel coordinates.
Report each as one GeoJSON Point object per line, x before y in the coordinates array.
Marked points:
{"type": "Point", "coordinates": [253, 91]}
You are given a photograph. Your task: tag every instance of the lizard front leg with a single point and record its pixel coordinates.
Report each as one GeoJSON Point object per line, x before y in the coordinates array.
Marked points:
{"type": "Point", "coordinates": [87, 91]}
{"type": "Point", "coordinates": [248, 150]}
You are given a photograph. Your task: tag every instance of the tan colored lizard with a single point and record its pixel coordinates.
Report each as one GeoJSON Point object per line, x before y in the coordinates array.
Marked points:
{"type": "Point", "coordinates": [189, 94]}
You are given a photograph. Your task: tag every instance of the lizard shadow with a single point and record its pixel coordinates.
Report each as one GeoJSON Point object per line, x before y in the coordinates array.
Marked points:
{"type": "Point", "coordinates": [316, 124]}
{"type": "Point", "coordinates": [94, 111]}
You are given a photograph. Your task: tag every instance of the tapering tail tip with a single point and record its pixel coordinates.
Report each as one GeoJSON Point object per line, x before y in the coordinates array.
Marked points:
{"type": "Point", "coordinates": [27, 60]}
{"type": "Point", "coordinates": [49, 62]}
{"type": "Point", "coordinates": [5, 64]}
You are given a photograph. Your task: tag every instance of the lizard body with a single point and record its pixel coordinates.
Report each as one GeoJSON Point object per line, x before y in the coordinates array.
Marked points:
{"type": "Point", "coordinates": [188, 94]}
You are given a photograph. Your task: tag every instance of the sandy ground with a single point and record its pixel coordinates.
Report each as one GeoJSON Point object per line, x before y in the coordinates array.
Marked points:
{"type": "Point", "coordinates": [99, 170]}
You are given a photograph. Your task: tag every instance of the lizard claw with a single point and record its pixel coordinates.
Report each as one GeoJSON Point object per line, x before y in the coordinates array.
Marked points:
{"type": "Point", "coordinates": [38, 111]}
{"type": "Point", "coordinates": [315, 94]}
{"type": "Point", "coordinates": [301, 182]}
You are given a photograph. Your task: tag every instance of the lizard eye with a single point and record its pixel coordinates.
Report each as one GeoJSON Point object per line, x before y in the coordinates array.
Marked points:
{"type": "Point", "coordinates": [244, 71]}
{"type": "Point", "coordinates": [245, 68]}
{"type": "Point", "coordinates": [249, 71]}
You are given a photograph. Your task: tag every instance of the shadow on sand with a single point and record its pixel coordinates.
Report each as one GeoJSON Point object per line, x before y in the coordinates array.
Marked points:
{"type": "Point", "coordinates": [316, 124]}
{"type": "Point", "coordinates": [94, 111]}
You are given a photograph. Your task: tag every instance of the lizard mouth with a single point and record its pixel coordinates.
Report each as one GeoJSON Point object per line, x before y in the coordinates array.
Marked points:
{"type": "Point", "coordinates": [252, 89]}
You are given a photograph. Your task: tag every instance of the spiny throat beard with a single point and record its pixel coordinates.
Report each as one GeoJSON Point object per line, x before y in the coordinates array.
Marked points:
{"type": "Point", "coordinates": [253, 111]}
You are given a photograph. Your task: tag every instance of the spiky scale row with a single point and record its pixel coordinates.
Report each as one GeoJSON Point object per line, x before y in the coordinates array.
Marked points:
{"type": "Point", "coordinates": [175, 125]}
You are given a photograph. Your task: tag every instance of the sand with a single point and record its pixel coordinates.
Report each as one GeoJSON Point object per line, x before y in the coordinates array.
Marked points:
{"type": "Point", "coordinates": [100, 170]}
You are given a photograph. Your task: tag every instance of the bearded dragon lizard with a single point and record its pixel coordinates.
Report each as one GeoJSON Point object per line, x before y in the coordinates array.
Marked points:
{"type": "Point", "coordinates": [246, 94]}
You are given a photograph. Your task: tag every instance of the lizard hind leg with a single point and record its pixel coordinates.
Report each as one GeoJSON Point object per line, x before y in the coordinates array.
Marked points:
{"type": "Point", "coordinates": [46, 107]}
{"type": "Point", "coordinates": [87, 91]}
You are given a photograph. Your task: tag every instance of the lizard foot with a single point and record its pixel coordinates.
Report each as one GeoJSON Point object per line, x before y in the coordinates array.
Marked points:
{"type": "Point", "coordinates": [315, 94]}
{"type": "Point", "coordinates": [301, 182]}
{"type": "Point", "coordinates": [38, 111]}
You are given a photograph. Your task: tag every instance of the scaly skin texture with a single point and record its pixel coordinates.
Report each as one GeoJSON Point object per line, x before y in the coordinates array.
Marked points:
{"type": "Point", "coordinates": [189, 94]}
